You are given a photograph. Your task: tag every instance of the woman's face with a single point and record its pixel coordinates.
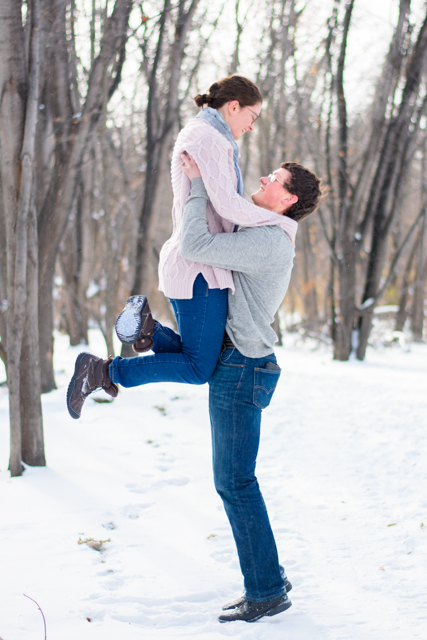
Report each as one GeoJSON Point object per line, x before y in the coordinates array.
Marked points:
{"type": "Point", "coordinates": [240, 119]}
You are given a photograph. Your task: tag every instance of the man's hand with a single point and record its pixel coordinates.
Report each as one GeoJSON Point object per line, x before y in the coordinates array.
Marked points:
{"type": "Point", "coordinates": [189, 166]}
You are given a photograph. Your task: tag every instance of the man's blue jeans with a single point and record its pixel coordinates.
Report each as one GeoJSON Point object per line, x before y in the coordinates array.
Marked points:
{"type": "Point", "coordinates": [189, 356]}
{"type": "Point", "coordinates": [238, 391]}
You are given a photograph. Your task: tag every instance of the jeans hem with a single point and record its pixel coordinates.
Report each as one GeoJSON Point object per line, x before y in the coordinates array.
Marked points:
{"type": "Point", "coordinates": [277, 594]}
{"type": "Point", "coordinates": [112, 369]}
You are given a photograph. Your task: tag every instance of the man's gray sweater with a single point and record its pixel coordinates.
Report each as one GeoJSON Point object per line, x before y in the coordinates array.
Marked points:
{"type": "Point", "coordinates": [261, 259]}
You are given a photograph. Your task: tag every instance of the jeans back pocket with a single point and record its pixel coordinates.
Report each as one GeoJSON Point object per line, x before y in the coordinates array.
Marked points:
{"type": "Point", "coordinates": [265, 382]}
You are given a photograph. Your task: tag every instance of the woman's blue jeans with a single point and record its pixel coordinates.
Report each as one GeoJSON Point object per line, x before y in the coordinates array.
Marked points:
{"type": "Point", "coordinates": [238, 391]}
{"type": "Point", "coordinates": [190, 356]}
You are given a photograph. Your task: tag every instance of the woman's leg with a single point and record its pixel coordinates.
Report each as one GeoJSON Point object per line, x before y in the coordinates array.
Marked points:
{"type": "Point", "coordinates": [201, 322]}
{"type": "Point", "coordinates": [165, 340]}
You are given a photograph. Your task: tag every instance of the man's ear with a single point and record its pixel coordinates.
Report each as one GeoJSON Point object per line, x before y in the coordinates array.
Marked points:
{"type": "Point", "coordinates": [288, 202]}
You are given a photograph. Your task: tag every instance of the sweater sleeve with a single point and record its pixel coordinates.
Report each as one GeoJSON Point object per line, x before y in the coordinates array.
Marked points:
{"type": "Point", "coordinates": [213, 163]}
{"type": "Point", "coordinates": [240, 251]}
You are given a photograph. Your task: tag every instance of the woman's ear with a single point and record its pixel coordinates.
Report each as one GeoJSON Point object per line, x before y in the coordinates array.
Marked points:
{"type": "Point", "coordinates": [233, 106]}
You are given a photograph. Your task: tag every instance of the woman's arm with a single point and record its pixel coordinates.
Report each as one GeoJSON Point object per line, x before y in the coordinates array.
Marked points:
{"type": "Point", "coordinates": [213, 164]}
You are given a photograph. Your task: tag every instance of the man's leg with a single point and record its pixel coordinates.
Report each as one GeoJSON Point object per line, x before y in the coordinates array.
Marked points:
{"type": "Point", "coordinates": [235, 422]}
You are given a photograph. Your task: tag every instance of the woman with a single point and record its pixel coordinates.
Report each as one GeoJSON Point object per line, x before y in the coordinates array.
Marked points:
{"type": "Point", "coordinates": [198, 292]}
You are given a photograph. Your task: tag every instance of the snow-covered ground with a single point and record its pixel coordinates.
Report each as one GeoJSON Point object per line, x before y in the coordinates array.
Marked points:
{"type": "Point", "coordinates": [343, 469]}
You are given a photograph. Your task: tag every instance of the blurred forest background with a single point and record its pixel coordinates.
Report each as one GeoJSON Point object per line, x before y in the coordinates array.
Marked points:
{"type": "Point", "coordinates": [93, 95]}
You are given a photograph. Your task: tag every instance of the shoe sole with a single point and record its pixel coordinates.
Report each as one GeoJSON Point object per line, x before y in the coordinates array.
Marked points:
{"type": "Point", "coordinates": [271, 612]}
{"type": "Point", "coordinates": [237, 603]}
{"type": "Point", "coordinates": [129, 323]}
{"type": "Point", "coordinates": [72, 386]}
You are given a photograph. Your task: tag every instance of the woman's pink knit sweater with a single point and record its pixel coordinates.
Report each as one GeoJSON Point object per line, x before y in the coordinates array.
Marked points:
{"type": "Point", "coordinates": [214, 156]}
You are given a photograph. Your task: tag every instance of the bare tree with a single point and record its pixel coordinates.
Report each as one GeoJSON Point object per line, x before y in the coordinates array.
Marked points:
{"type": "Point", "coordinates": [72, 134]}
{"type": "Point", "coordinates": [162, 112]}
{"type": "Point", "coordinates": [34, 53]}
{"type": "Point", "coordinates": [274, 60]}
{"type": "Point", "coordinates": [19, 81]}
{"type": "Point", "coordinates": [240, 25]}
{"type": "Point", "coordinates": [364, 196]}
{"type": "Point", "coordinates": [395, 155]}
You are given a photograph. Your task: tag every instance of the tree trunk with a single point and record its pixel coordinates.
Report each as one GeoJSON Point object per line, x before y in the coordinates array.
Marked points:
{"type": "Point", "coordinates": [347, 265]}
{"type": "Point", "coordinates": [30, 381]}
{"type": "Point", "coordinates": [110, 262]}
{"type": "Point", "coordinates": [402, 313]}
{"type": "Point", "coordinates": [330, 302]}
{"type": "Point", "coordinates": [309, 293]}
{"type": "Point", "coordinates": [18, 107]}
{"type": "Point", "coordinates": [3, 283]}
{"type": "Point", "coordinates": [70, 258]}
{"type": "Point", "coordinates": [45, 290]}
{"type": "Point", "coordinates": [345, 318]}
{"type": "Point", "coordinates": [417, 316]}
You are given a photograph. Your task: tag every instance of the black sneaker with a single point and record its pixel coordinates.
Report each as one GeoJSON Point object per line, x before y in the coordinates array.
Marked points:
{"type": "Point", "coordinates": [239, 601]}
{"type": "Point", "coordinates": [251, 611]}
{"type": "Point", "coordinates": [135, 321]}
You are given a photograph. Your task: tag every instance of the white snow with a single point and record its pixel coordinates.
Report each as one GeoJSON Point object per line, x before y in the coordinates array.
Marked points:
{"type": "Point", "coordinates": [342, 466]}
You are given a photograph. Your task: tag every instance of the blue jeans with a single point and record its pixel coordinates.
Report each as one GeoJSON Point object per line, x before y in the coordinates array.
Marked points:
{"type": "Point", "coordinates": [238, 391]}
{"type": "Point", "coordinates": [189, 356]}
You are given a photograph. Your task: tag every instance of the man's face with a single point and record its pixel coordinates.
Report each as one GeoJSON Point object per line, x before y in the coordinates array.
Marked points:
{"type": "Point", "coordinates": [273, 195]}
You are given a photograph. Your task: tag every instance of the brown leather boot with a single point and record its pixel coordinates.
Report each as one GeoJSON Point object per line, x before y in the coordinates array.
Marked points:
{"type": "Point", "coordinates": [135, 324]}
{"type": "Point", "coordinates": [90, 373]}
{"type": "Point", "coordinates": [143, 344]}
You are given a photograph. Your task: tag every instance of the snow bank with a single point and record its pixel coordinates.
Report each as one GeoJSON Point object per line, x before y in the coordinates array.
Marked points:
{"type": "Point", "coordinates": [342, 466]}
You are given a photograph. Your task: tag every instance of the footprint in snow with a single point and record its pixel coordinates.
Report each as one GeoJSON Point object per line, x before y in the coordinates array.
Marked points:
{"type": "Point", "coordinates": [133, 511]}
{"type": "Point", "coordinates": [222, 556]}
{"type": "Point", "coordinates": [134, 488]}
{"type": "Point", "coordinates": [179, 482]}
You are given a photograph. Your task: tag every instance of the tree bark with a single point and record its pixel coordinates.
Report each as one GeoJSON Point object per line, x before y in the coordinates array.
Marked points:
{"type": "Point", "coordinates": [30, 381]}
{"type": "Point", "coordinates": [70, 259]}
{"type": "Point", "coordinates": [309, 293]}
{"type": "Point", "coordinates": [3, 281]}
{"type": "Point", "coordinates": [417, 316]}
{"type": "Point", "coordinates": [402, 312]}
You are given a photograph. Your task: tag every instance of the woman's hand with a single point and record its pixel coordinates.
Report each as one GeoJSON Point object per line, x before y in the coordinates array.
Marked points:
{"type": "Point", "coordinates": [189, 166]}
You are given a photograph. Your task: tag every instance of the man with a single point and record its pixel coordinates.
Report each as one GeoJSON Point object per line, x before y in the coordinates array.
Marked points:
{"type": "Point", "coordinates": [245, 378]}
{"type": "Point", "coordinates": [246, 375]}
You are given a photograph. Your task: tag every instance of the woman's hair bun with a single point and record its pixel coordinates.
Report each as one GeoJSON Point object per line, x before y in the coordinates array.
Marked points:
{"type": "Point", "coordinates": [201, 99]}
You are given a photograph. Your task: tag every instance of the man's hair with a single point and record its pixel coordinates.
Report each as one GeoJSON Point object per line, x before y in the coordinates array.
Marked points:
{"type": "Point", "coordinates": [232, 88]}
{"type": "Point", "coordinates": [304, 184]}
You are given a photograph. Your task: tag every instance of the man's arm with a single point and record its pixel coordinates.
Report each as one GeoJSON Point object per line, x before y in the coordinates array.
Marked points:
{"type": "Point", "coordinates": [241, 251]}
